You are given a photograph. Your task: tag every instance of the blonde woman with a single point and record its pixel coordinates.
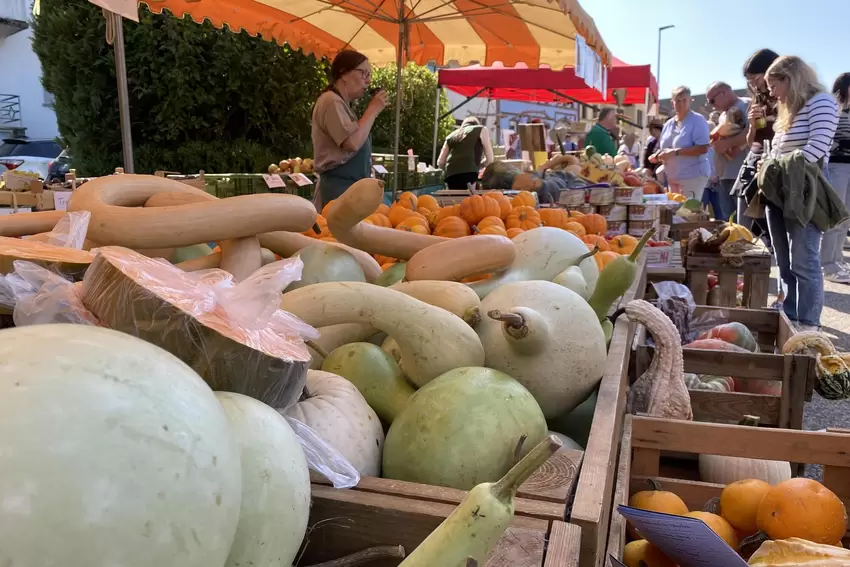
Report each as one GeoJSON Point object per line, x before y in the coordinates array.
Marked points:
{"type": "Point", "coordinates": [806, 120]}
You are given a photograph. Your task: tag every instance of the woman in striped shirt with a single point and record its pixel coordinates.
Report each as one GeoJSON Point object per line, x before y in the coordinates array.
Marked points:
{"type": "Point", "coordinates": [832, 248]}
{"type": "Point", "coordinates": [806, 121]}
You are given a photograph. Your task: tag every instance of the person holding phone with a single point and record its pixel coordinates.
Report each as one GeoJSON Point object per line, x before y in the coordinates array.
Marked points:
{"type": "Point", "coordinates": [342, 143]}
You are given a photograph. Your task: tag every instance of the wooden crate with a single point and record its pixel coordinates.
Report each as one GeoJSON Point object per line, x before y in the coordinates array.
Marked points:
{"type": "Point", "coordinates": [681, 230]}
{"type": "Point", "coordinates": [346, 521]}
{"type": "Point", "coordinates": [647, 440]}
{"type": "Point", "coordinates": [771, 329]}
{"type": "Point", "coordinates": [754, 266]}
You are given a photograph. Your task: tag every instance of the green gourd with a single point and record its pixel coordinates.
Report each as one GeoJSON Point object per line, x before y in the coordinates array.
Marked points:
{"type": "Point", "coordinates": [616, 279]}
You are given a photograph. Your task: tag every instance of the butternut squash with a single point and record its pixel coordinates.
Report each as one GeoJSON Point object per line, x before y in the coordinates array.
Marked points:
{"type": "Point", "coordinates": [542, 254]}
{"type": "Point", "coordinates": [432, 340]}
{"type": "Point", "coordinates": [454, 297]}
{"type": "Point", "coordinates": [334, 336]}
{"type": "Point", "coordinates": [345, 218]}
{"type": "Point", "coordinates": [118, 218]}
{"type": "Point", "coordinates": [67, 261]}
{"type": "Point", "coordinates": [26, 224]}
{"type": "Point", "coordinates": [286, 244]}
{"type": "Point", "coordinates": [461, 257]}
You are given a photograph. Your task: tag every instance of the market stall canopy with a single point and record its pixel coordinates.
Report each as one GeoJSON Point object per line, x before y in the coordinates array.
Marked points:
{"type": "Point", "coordinates": [532, 32]}
{"type": "Point", "coordinates": [545, 85]}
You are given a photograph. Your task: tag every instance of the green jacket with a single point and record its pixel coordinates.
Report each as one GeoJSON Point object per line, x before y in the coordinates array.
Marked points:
{"type": "Point", "coordinates": [464, 154]}
{"type": "Point", "coordinates": [800, 189]}
{"type": "Point", "coordinates": [601, 139]}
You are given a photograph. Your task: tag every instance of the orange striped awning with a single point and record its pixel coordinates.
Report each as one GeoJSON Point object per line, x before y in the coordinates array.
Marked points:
{"type": "Point", "coordinates": [532, 32]}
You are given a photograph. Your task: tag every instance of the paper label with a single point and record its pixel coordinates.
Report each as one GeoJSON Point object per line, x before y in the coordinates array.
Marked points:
{"type": "Point", "coordinates": [380, 169]}
{"type": "Point", "coordinates": [300, 179]}
{"type": "Point", "coordinates": [273, 181]}
{"type": "Point", "coordinates": [60, 200]}
{"type": "Point", "coordinates": [687, 541]}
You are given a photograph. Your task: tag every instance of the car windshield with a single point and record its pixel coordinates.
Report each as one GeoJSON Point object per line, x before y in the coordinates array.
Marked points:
{"type": "Point", "coordinates": [14, 148]}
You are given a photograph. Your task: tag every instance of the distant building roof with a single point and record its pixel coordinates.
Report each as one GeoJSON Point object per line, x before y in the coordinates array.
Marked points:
{"type": "Point", "coordinates": [699, 104]}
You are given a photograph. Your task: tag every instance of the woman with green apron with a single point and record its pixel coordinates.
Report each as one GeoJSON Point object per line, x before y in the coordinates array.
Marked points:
{"type": "Point", "coordinates": [342, 144]}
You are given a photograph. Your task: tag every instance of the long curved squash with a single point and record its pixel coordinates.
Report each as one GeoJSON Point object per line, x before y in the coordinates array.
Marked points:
{"type": "Point", "coordinates": [458, 258]}
{"type": "Point", "coordinates": [118, 217]}
{"type": "Point", "coordinates": [432, 340]}
{"type": "Point", "coordinates": [454, 297]}
{"type": "Point", "coordinates": [27, 224]}
{"type": "Point", "coordinates": [346, 214]}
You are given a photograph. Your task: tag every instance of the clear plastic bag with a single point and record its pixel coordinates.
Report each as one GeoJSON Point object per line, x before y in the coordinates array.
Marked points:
{"type": "Point", "coordinates": [676, 301]}
{"type": "Point", "coordinates": [70, 231]}
{"type": "Point", "coordinates": [708, 320]}
{"type": "Point", "coordinates": [322, 458]}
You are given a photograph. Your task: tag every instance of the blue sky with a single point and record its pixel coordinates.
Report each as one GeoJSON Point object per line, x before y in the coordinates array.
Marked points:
{"type": "Point", "coordinates": [712, 39]}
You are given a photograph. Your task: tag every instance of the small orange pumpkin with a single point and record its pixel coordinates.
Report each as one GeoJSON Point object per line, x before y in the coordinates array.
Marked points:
{"type": "Point", "coordinates": [505, 206]}
{"type": "Point", "coordinates": [398, 214]}
{"type": "Point", "coordinates": [478, 278]}
{"type": "Point", "coordinates": [623, 244]}
{"type": "Point", "coordinates": [327, 207]}
{"type": "Point", "coordinates": [424, 211]}
{"type": "Point", "coordinates": [408, 200]}
{"type": "Point", "coordinates": [386, 266]}
{"type": "Point", "coordinates": [429, 202]}
{"type": "Point", "coordinates": [413, 221]}
{"type": "Point", "coordinates": [605, 258]}
{"type": "Point", "coordinates": [218, 249]}
{"type": "Point", "coordinates": [446, 212]}
{"type": "Point", "coordinates": [593, 223]}
{"type": "Point", "coordinates": [552, 216]}
{"type": "Point", "coordinates": [575, 228]}
{"type": "Point", "coordinates": [452, 227]}
{"type": "Point", "coordinates": [378, 220]}
{"type": "Point", "coordinates": [803, 508]}
{"type": "Point", "coordinates": [656, 500]}
{"type": "Point", "coordinates": [328, 239]}
{"type": "Point", "coordinates": [525, 218]}
{"type": "Point", "coordinates": [595, 240]}
{"type": "Point", "coordinates": [739, 504]}
{"type": "Point", "coordinates": [417, 228]}
{"type": "Point", "coordinates": [323, 228]}
{"type": "Point", "coordinates": [641, 553]}
{"type": "Point", "coordinates": [575, 214]}
{"type": "Point", "coordinates": [718, 525]}
{"type": "Point", "coordinates": [383, 209]}
{"type": "Point", "coordinates": [524, 199]}
{"type": "Point", "coordinates": [514, 232]}
{"type": "Point", "coordinates": [477, 207]}
{"type": "Point", "coordinates": [492, 229]}
{"type": "Point", "coordinates": [490, 221]}
{"type": "Point", "coordinates": [381, 259]}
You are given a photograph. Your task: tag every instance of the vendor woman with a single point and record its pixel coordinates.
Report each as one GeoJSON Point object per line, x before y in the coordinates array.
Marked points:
{"type": "Point", "coordinates": [462, 153]}
{"type": "Point", "coordinates": [342, 144]}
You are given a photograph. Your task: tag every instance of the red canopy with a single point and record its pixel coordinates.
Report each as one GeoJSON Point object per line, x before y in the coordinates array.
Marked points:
{"type": "Point", "coordinates": [536, 85]}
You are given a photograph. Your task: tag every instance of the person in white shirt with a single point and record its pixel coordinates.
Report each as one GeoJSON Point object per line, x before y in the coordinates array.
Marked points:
{"type": "Point", "coordinates": [630, 148]}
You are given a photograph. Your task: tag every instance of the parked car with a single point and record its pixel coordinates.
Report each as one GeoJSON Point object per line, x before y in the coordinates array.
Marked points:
{"type": "Point", "coordinates": [57, 168]}
{"type": "Point", "coordinates": [27, 154]}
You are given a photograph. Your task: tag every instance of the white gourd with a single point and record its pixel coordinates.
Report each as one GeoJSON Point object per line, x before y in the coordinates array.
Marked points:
{"type": "Point", "coordinates": [113, 452]}
{"type": "Point", "coordinates": [719, 469]}
{"type": "Point", "coordinates": [275, 484]}
{"type": "Point", "coordinates": [335, 409]}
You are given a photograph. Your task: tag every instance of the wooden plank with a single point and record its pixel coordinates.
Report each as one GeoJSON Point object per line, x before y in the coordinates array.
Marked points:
{"type": "Point", "coordinates": [698, 284]}
{"type": "Point", "coordinates": [735, 441]}
{"type": "Point", "coordinates": [727, 282]}
{"type": "Point", "coordinates": [518, 547]}
{"type": "Point", "coordinates": [617, 529]}
{"type": "Point", "coordinates": [563, 546]}
{"type": "Point", "coordinates": [756, 320]}
{"type": "Point", "coordinates": [755, 262]}
{"type": "Point", "coordinates": [645, 461]}
{"type": "Point", "coordinates": [785, 398]}
{"type": "Point", "coordinates": [722, 363]}
{"type": "Point", "coordinates": [784, 331]}
{"type": "Point", "coordinates": [594, 491]}
{"type": "Point", "coordinates": [801, 368]}
{"type": "Point", "coordinates": [693, 492]}
{"type": "Point", "coordinates": [710, 405]}
{"type": "Point", "coordinates": [554, 481]}
{"type": "Point", "coordinates": [759, 287]}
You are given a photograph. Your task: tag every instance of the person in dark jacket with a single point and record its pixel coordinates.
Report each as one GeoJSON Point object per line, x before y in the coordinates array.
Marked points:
{"type": "Point", "coordinates": [655, 126]}
{"type": "Point", "coordinates": [462, 152]}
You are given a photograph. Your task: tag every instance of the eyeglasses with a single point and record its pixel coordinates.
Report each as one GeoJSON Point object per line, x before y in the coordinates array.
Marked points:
{"type": "Point", "coordinates": [367, 75]}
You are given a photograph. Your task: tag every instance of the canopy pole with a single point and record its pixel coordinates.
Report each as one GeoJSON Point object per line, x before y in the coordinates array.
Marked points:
{"type": "Point", "coordinates": [436, 124]}
{"type": "Point", "coordinates": [402, 37]}
{"type": "Point", "coordinates": [123, 96]}
{"type": "Point", "coordinates": [643, 134]}
{"type": "Point", "coordinates": [465, 101]}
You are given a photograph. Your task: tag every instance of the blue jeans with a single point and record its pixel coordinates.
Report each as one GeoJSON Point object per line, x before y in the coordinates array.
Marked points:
{"type": "Point", "coordinates": [797, 251]}
{"type": "Point", "coordinates": [711, 197]}
{"type": "Point", "coordinates": [727, 203]}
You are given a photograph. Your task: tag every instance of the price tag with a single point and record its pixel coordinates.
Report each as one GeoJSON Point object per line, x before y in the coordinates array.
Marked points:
{"type": "Point", "coordinates": [300, 179]}
{"type": "Point", "coordinates": [380, 169]}
{"type": "Point", "coordinates": [60, 200]}
{"type": "Point", "coordinates": [273, 181]}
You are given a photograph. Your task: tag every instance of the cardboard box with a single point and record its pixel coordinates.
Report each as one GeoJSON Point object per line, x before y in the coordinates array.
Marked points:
{"type": "Point", "coordinates": [46, 200]}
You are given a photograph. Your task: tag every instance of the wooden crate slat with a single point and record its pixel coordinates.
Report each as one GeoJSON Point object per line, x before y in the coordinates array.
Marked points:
{"type": "Point", "coordinates": [564, 540]}
{"type": "Point", "coordinates": [555, 480]}
{"type": "Point", "coordinates": [757, 320]}
{"type": "Point", "coordinates": [731, 406]}
{"type": "Point", "coordinates": [715, 262]}
{"type": "Point", "coordinates": [617, 529]}
{"type": "Point", "coordinates": [724, 363]}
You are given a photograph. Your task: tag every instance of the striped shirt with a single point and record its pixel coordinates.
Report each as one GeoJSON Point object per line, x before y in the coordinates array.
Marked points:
{"type": "Point", "coordinates": [841, 142]}
{"type": "Point", "coordinates": [812, 129]}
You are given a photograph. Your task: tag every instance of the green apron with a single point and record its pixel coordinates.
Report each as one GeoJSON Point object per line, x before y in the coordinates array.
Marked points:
{"type": "Point", "coordinates": [334, 182]}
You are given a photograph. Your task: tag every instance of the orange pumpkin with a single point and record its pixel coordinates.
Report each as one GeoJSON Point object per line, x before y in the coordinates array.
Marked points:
{"type": "Point", "coordinates": [641, 553]}
{"type": "Point", "coordinates": [803, 508]}
{"type": "Point", "coordinates": [739, 504]}
{"type": "Point", "coordinates": [490, 221]}
{"type": "Point", "coordinates": [492, 229]}
{"type": "Point", "coordinates": [595, 240]}
{"type": "Point", "coordinates": [424, 211]}
{"type": "Point", "coordinates": [575, 214]}
{"type": "Point", "coordinates": [505, 206]}
{"type": "Point", "coordinates": [593, 223]}
{"type": "Point", "coordinates": [718, 525]}
{"type": "Point", "coordinates": [575, 228]}
{"type": "Point", "coordinates": [446, 212]}
{"type": "Point", "coordinates": [514, 232]}
{"type": "Point", "coordinates": [429, 202]}
{"type": "Point", "coordinates": [605, 258]}
{"type": "Point", "coordinates": [408, 200]}
{"type": "Point", "coordinates": [381, 259]}
{"type": "Point", "coordinates": [477, 207]}
{"type": "Point", "coordinates": [383, 209]}
{"type": "Point", "coordinates": [216, 249]}
{"type": "Point", "coordinates": [652, 188]}
{"type": "Point", "coordinates": [525, 218]}
{"type": "Point", "coordinates": [386, 266]}
{"type": "Point", "coordinates": [414, 221]}
{"type": "Point", "coordinates": [398, 214]}
{"type": "Point", "coordinates": [478, 278]}
{"type": "Point", "coordinates": [623, 244]}
{"type": "Point", "coordinates": [553, 217]}
{"type": "Point", "coordinates": [524, 199]}
{"type": "Point", "coordinates": [656, 500]}
{"type": "Point", "coordinates": [328, 239]}
{"type": "Point", "coordinates": [452, 227]}
{"type": "Point", "coordinates": [327, 207]}
{"type": "Point", "coordinates": [378, 220]}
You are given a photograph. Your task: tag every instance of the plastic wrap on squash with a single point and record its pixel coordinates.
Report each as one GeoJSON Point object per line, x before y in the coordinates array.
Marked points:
{"type": "Point", "coordinates": [58, 250]}
{"type": "Point", "coordinates": [234, 336]}
{"type": "Point", "coordinates": [40, 297]}
{"type": "Point", "coordinates": [69, 232]}
{"type": "Point", "coordinates": [323, 458]}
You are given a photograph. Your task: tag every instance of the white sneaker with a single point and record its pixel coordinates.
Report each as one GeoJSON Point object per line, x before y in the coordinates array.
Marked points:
{"type": "Point", "coordinates": [801, 328]}
{"type": "Point", "coordinates": [840, 276]}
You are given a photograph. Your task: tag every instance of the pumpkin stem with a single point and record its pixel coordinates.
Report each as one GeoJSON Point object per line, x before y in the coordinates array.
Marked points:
{"type": "Point", "coordinates": [316, 228]}
{"type": "Point", "coordinates": [518, 448]}
{"type": "Point", "coordinates": [472, 316]}
{"type": "Point", "coordinates": [512, 320]}
{"type": "Point", "coordinates": [641, 243]}
{"type": "Point", "coordinates": [366, 556]}
{"type": "Point", "coordinates": [590, 254]}
{"type": "Point", "coordinates": [712, 506]}
{"type": "Point", "coordinates": [752, 542]}
{"type": "Point", "coordinates": [471, 562]}
{"type": "Point", "coordinates": [656, 486]}
{"type": "Point", "coordinates": [319, 350]}
{"type": "Point", "coordinates": [505, 488]}
{"type": "Point", "coordinates": [613, 317]}
{"type": "Point", "coordinates": [750, 421]}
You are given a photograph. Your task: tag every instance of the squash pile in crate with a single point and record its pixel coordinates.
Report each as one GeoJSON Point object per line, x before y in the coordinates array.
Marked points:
{"type": "Point", "coordinates": [198, 382]}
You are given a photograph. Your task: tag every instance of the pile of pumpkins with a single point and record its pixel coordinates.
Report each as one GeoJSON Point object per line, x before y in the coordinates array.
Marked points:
{"type": "Point", "coordinates": [800, 518]}
{"type": "Point", "coordinates": [491, 213]}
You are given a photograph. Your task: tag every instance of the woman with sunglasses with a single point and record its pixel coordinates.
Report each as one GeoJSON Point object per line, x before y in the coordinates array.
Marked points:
{"type": "Point", "coordinates": [342, 143]}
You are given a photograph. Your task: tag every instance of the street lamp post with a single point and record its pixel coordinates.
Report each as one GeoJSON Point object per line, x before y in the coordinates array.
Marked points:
{"type": "Point", "coordinates": [658, 66]}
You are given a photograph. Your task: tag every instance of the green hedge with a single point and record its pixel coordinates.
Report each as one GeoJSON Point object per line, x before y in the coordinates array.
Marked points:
{"type": "Point", "coordinates": [200, 98]}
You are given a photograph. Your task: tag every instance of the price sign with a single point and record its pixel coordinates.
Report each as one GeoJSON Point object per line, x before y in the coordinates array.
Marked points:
{"type": "Point", "coordinates": [300, 179]}
{"type": "Point", "coordinates": [60, 200]}
{"type": "Point", "coordinates": [273, 181]}
{"type": "Point", "coordinates": [380, 169]}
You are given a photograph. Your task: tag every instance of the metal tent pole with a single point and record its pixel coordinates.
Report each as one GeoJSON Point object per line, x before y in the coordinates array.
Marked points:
{"type": "Point", "coordinates": [643, 132]}
{"type": "Point", "coordinates": [123, 96]}
{"type": "Point", "coordinates": [436, 125]}
{"type": "Point", "coordinates": [402, 37]}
